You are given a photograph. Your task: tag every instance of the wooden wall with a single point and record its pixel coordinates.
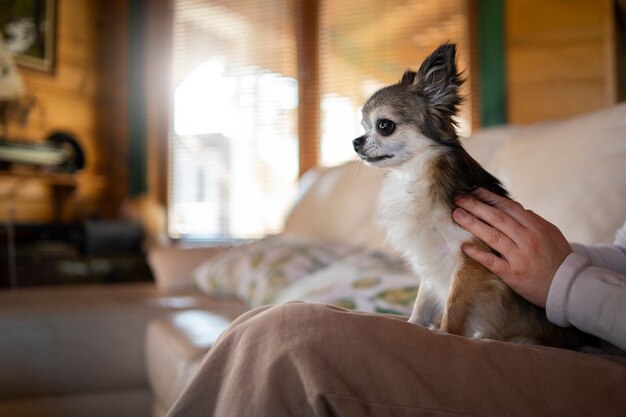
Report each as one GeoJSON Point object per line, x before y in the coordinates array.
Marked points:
{"type": "Point", "coordinates": [560, 58]}
{"type": "Point", "coordinates": [84, 96]}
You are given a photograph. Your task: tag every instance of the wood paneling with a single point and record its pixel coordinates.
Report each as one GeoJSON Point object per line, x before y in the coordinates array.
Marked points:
{"type": "Point", "coordinates": [561, 58]}
{"type": "Point", "coordinates": [83, 96]}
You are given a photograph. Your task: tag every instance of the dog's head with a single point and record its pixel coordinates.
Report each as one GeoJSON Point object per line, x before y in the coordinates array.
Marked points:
{"type": "Point", "coordinates": [404, 119]}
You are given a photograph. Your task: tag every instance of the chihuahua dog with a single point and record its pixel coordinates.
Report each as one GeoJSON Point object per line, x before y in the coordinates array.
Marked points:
{"type": "Point", "coordinates": [410, 129]}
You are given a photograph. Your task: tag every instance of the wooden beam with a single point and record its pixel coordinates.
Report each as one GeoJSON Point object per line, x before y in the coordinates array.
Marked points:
{"type": "Point", "coordinates": [308, 13]}
{"type": "Point", "coordinates": [111, 101]}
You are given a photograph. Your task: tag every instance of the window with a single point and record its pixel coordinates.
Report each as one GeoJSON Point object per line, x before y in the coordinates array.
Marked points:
{"type": "Point", "coordinates": [234, 148]}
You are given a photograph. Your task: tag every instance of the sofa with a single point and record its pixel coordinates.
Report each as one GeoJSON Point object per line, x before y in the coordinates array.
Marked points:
{"type": "Point", "coordinates": [130, 349]}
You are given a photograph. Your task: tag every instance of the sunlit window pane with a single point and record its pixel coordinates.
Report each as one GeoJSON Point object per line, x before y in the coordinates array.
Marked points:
{"type": "Point", "coordinates": [233, 143]}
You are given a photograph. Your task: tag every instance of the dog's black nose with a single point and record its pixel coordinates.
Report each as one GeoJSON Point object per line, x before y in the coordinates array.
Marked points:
{"type": "Point", "coordinates": [358, 143]}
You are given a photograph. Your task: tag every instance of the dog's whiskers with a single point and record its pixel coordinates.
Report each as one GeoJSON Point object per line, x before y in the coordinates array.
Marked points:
{"type": "Point", "coordinates": [355, 168]}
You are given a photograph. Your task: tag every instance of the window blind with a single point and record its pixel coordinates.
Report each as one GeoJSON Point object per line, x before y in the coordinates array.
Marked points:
{"type": "Point", "coordinates": [234, 150]}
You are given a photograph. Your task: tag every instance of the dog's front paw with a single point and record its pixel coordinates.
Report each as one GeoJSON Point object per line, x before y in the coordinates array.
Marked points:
{"type": "Point", "coordinates": [419, 322]}
{"type": "Point", "coordinates": [414, 319]}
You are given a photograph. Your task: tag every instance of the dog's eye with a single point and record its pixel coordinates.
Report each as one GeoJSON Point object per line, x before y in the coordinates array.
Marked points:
{"type": "Point", "coordinates": [385, 127]}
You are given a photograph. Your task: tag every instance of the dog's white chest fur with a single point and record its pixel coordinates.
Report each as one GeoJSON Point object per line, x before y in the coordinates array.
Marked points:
{"type": "Point", "coordinates": [422, 229]}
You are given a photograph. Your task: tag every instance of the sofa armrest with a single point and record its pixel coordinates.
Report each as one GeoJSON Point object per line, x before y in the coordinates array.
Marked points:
{"type": "Point", "coordinates": [173, 267]}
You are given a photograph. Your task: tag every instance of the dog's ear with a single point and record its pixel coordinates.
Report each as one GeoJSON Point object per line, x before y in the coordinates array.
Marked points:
{"type": "Point", "coordinates": [439, 78]}
{"type": "Point", "coordinates": [408, 78]}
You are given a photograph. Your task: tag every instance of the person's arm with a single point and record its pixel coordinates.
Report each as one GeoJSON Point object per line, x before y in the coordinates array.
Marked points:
{"type": "Point", "coordinates": [538, 263]}
{"type": "Point", "coordinates": [590, 298]}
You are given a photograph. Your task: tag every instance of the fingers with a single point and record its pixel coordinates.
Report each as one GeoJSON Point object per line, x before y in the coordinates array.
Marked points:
{"type": "Point", "coordinates": [510, 207]}
{"type": "Point", "coordinates": [495, 264]}
{"type": "Point", "coordinates": [499, 216]}
{"type": "Point", "coordinates": [485, 232]}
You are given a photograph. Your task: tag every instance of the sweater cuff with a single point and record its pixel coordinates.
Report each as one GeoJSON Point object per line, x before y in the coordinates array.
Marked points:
{"type": "Point", "coordinates": [558, 294]}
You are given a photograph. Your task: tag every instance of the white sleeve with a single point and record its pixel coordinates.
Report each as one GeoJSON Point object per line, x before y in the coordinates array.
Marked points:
{"type": "Point", "coordinates": [590, 298]}
{"type": "Point", "coordinates": [611, 257]}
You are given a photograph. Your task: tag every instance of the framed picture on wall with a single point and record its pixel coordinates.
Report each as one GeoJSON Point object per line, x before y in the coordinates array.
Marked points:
{"type": "Point", "coordinates": [28, 30]}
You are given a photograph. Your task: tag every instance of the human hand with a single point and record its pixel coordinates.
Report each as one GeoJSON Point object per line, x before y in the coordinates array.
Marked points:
{"type": "Point", "coordinates": [531, 248]}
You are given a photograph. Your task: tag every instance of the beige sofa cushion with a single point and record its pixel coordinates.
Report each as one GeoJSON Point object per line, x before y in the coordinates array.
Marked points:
{"type": "Point", "coordinates": [341, 205]}
{"type": "Point", "coordinates": [173, 266]}
{"type": "Point", "coordinates": [571, 172]}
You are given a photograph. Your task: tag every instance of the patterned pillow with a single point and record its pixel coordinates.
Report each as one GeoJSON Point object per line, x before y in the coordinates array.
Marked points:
{"type": "Point", "coordinates": [365, 281]}
{"type": "Point", "coordinates": [256, 272]}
